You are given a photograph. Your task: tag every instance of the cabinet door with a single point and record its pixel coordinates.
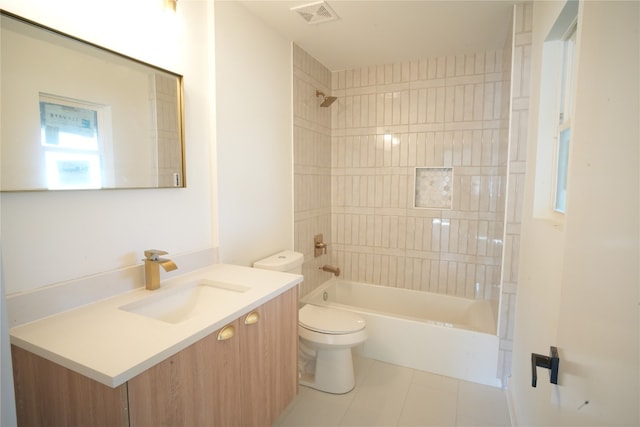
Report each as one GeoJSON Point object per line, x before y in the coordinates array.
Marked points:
{"type": "Point", "coordinates": [52, 395]}
{"type": "Point", "coordinates": [269, 359]}
{"type": "Point", "coordinates": [281, 354]}
{"type": "Point", "coordinates": [253, 369]}
{"type": "Point", "coordinates": [195, 387]}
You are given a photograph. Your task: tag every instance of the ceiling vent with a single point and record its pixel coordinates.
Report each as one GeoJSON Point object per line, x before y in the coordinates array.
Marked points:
{"type": "Point", "coordinates": [316, 13]}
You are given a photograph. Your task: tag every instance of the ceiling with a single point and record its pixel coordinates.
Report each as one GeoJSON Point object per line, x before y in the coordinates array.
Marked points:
{"type": "Point", "coordinates": [385, 31]}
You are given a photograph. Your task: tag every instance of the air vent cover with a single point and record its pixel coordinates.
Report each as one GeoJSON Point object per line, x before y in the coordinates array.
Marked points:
{"type": "Point", "coordinates": [316, 13]}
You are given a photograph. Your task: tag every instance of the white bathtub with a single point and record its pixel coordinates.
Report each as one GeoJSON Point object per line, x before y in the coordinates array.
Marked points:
{"type": "Point", "coordinates": [442, 334]}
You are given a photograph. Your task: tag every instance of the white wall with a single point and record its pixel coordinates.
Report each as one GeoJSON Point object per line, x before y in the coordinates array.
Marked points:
{"type": "Point", "coordinates": [254, 133]}
{"type": "Point", "coordinates": [52, 237]}
{"type": "Point", "coordinates": [55, 236]}
{"type": "Point", "coordinates": [579, 280]}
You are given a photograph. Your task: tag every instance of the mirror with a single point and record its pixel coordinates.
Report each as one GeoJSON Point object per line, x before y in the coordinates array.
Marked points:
{"type": "Point", "coordinates": [77, 116]}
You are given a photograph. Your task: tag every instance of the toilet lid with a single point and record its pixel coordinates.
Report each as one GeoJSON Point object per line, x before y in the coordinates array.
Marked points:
{"type": "Point", "coordinates": [329, 320]}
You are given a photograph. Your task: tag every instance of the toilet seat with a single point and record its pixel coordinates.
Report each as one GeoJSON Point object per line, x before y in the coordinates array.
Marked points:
{"type": "Point", "coordinates": [329, 321]}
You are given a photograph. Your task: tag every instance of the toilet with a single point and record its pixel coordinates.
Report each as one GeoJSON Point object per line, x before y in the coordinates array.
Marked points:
{"type": "Point", "coordinates": [326, 336]}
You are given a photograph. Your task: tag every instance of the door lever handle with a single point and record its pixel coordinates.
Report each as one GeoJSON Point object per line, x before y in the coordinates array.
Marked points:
{"type": "Point", "coordinates": [551, 362]}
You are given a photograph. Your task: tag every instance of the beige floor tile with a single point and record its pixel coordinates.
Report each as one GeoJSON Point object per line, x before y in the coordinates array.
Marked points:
{"type": "Point", "coordinates": [379, 396]}
{"type": "Point", "coordinates": [315, 408]}
{"type": "Point", "coordinates": [375, 405]}
{"type": "Point", "coordinates": [480, 405]}
{"type": "Point", "coordinates": [389, 395]}
{"type": "Point", "coordinates": [435, 381]}
{"type": "Point", "coordinates": [426, 406]}
{"type": "Point", "coordinates": [361, 367]}
{"type": "Point", "coordinates": [387, 375]}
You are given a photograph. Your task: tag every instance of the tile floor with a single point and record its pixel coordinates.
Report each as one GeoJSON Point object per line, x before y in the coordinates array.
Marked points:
{"type": "Point", "coordinates": [390, 395]}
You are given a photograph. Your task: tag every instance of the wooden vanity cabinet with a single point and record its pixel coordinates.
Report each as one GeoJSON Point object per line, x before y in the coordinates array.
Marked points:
{"type": "Point", "coordinates": [48, 394]}
{"type": "Point", "coordinates": [269, 360]}
{"type": "Point", "coordinates": [247, 379]}
{"type": "Point", "coordinates": [195, 387]}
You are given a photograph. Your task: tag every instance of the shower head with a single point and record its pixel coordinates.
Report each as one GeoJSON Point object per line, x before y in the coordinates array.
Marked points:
{"type": "Point", "coordinates": [326, 100]}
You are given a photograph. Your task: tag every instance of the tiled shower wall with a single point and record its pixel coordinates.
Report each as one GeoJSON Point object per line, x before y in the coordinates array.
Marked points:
{"type": "Point", "coordinates": [163, 95]}
{"type": "Point", "coordinates": [389, 119]}
{"type": "Point", "coordinates": [312, 165]}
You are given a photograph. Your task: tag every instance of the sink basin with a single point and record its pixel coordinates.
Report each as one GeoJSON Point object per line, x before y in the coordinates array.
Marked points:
{"type": "Point", "coordinates": [184, 302]}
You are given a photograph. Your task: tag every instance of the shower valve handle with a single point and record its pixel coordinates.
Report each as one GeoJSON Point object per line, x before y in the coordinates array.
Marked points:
{"type": "Point", "coordinates": [319, 246]}
{"type": "Point", "coordinates": [551, 362]}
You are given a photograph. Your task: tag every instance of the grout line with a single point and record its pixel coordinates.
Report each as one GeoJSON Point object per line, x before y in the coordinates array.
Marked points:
{"type": "Point", "coordinates": [366, 373]}
{"type": "Point", "coordinates": [455, 417]}
{"type": "Point", "coordinates": [406, 395]}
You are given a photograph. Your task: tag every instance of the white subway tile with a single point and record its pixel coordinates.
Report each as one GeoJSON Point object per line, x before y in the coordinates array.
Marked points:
{"type": "Point", "coordinates": [414, 70]}
{"type": "Point", "coordinates": [478, 102]}
{"type": "Point", "coordinates": [348, 79]}
{"type": "Point", "coordinates": [439, 149]}
{"type": "Point", "coordinates": [422, 70]}
{"type": "Point", "coordinates": [489, 93]}
{"type": "Point", "coordinates": [428, 106]}
{"type": "Point", "coordinates": [479, 63]}
{"type": "Point", "coordinates": [434, 273]}
{"type": "Point", "coordinates": [372, 110]}
{"type": "Point", "coordinates": [459, 65]}
{"type": "Point", "coordinates": [413, 106]}
{"type": "Point", "coordinates": [469, 64]}
{"type": "Point", "coordinates": [443, 277]}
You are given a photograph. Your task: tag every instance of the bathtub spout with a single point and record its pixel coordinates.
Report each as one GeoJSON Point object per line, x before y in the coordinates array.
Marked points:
{"type": "Point", "coordinates": [330, 269]}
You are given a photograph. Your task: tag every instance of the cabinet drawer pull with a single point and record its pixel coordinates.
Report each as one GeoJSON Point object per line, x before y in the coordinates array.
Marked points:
{"type": "Point", "coordinates": [226, 333]}
{"type": "Point", "coordinates": [252, 318]}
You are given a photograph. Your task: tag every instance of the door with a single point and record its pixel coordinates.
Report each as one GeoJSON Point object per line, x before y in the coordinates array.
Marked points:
{"type": "Point", "coordinates": [579, 279]}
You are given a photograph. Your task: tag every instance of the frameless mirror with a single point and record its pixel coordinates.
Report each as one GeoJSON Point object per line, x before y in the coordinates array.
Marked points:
{"type": "Point", "coordinates": [78, 116]}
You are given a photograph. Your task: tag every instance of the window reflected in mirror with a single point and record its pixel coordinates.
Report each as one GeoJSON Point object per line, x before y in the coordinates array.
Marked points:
{"type": "Point", "coordinates": [71, 145]}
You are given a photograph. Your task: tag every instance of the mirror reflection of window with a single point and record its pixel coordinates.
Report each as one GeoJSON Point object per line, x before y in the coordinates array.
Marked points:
{"type": "Point", "coordinates": [70, 142]}
{"type": "Point", "coordinates": [66, 171]}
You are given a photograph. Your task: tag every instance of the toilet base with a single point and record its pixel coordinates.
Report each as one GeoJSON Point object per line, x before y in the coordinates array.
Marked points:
{"type": "Point", "coordinates": [333, 372]}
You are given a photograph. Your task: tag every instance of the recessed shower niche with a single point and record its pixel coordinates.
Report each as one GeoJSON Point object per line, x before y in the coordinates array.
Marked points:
{"type": "Point", "coordinates": [434, 188]}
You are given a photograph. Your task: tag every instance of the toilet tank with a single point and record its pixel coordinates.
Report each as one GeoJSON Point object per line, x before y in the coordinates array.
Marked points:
{"type": "Point", "coordinates": [287, 261]}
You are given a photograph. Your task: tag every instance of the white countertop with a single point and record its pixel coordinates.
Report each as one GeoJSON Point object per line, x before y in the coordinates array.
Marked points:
{"type": "Point", "coordinates": [111, 345]}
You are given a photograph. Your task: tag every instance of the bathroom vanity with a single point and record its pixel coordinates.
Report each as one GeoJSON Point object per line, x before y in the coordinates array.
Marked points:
{"type": "Point", "coordinates": [233, 366]}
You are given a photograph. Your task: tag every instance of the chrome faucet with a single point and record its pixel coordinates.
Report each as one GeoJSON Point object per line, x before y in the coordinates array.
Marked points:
{"type": "Point", "coordinates": [152, 264]}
